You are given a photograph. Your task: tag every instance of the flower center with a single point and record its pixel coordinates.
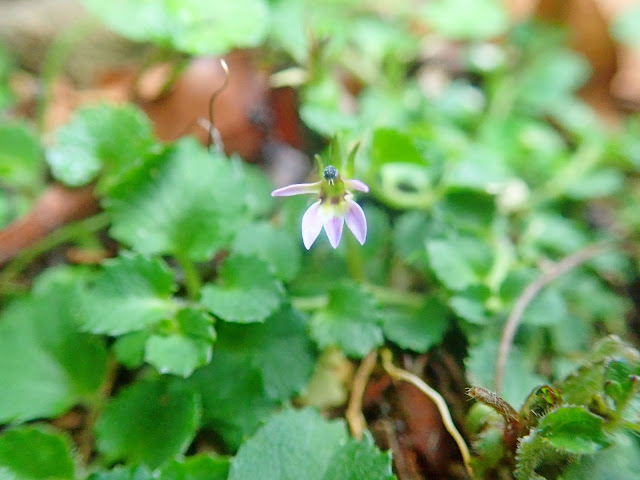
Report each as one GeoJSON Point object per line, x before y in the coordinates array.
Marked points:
{"type": "Point", "coordinates": [330, 173]}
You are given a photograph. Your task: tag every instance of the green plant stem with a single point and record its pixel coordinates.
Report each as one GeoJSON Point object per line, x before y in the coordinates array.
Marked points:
{"type": "Point", "coordinates": [63, 234]}
{"type": "Point", "coordinates": [354, 261]}
{"type": "Point", "coordinates": [192, 281]}
{"type": "Point", "coordinates": [385, 295]}
{"type": "Point", "coordinates": [390, 296]}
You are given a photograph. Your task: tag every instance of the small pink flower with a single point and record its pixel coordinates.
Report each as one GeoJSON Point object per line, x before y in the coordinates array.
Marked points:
{"type": "Point", "coordinates": [335, 206]}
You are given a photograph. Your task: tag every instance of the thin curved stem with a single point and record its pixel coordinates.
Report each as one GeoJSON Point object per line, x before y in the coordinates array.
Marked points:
{"type": "Point", "coordinates": [354, 415]}
{"type": "Point", "coordinates": [417, 382]}
{"type": "Point", "coordinates": [527, 296]}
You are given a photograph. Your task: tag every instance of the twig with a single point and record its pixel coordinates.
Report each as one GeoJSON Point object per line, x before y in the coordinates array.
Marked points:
{"type": "Point", "coordinates": [354, 415]}
{"type": "Point", "coordinates": [529, 293]}
{"type": "Point", "coordinates": [417, 382]}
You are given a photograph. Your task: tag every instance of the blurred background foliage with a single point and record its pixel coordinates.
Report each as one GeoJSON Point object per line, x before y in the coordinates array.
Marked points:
{"type": "Point", "coordinates": [160, 318]}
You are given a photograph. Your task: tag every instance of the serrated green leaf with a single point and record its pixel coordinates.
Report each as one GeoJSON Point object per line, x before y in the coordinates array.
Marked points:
{"type": "Point", "coordinates": [21, 157]}
{"type": "Point", "coordinates": [197, 467]}
{"type": "Point", "coordinates": [548, 308]}
{"type": "Point", "coordinates": [198, 27]}
{"type": "Point", "coordinates": [626, 25]}
{"type": "Point", "coordinates": [182, 351]}
{"type": "Point", "coordinates": [124, 473]}
{"type": "Point", "coordinates": [596, 184]}
{"type": "Point", "coordinates": [108, 139]}
{"type": "Point", "coordinates": [390, 145]}
{"type": "Point", "coordinates": [292, 445]}
{"type": "Point", "coordinates": [244, 381]}
{"type": "Point", "coordinates": [131, 293]}
{"type": "Point", "coordinates": [249, 291]}
{"type": "Point", "coordinates": [459, 262]}
{"type": "Point", "coordinates": [359, 461]}
{"type": "Point", "coordinates": [176, 354]}
{"type": "Point", "coordinates": [416, 330]}
{"type": "Point", "coordinates": [301, 444]}
{"type": "Point", "coordinates": [129, 348]}
{"type": "Point", "coordinates": [409, 235]}
{"type": "Point", "coordinates": [34, 453]}
{"type": "Point", "coordinates": [187, 202]}
{"type": "Point", "coordinates": [46, 364]}
{"type": "Point", "coordinates": [466, 19]}
{"type": "Point", "coordinates": [574, 430]}
{"type": "Point", "coordinates": [274, 246]}
{"type": "Point", "coordinates": [470, 304]}
{"type": "Point", "coordinates": [351, 321]}
{"type": "Point", "coordinates": [620, 461]}
{"type": "Point", "coordinates": [148, 422]}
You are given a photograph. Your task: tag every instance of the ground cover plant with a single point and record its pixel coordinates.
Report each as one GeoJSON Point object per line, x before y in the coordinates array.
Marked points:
{"type": "Point", "coordinates": [181, 299]}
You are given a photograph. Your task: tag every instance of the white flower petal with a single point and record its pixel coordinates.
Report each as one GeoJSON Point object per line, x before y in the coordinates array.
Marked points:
{"type": "Point", "coordinates": [333, 226]}
{"type": "Point", "coordinates": [311, 225]}
{"type": "Point", "coordinates": [296, 189]}
{"type": "Point", "coordinates": [356, 185]}
{"type": "Point", "coordinates": [357, 222]}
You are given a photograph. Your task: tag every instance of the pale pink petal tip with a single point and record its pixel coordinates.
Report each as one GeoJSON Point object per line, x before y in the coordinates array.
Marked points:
{"type": "Point", "coordinates": [357, 222]}
{"type": "Point", "coordinates": [296, 189]}
{"type": "Point", "coordinates": [333, 226]}
{"type": "Point", "coordinates": [311, 225]}
{"type": "Point", "coordinates": [357, 185]}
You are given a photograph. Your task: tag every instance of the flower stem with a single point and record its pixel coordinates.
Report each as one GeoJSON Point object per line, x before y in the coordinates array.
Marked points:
{"type": "Point", "coordinates": [192, 282]}
{"type": "Point", "coordinates": [384, 295]}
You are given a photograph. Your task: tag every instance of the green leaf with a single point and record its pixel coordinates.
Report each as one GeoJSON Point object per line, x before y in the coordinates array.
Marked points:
{"type": "Point", "coordinates": [573, 430]}
{"type": "Point", "coordinates": [409, 235]}
{"type": "Point", "coordinates": [301, 444]}
{"type": "Point", "coordinates": [21, 157]}
{"type": "Point", "coordinates": [519, 376]}
{"type": "Point", "coordinates": [107, 139]}
{"type": "Point", "coordinates": [197, 27]}
{"type": "Point", "coordinates": [416, 330]}
{"type": "Point", "coordinates": [351, 321]}
{"type": "Point", "coordinates": [466, 19]}
{"type": "Point", "coordinates": [244, 380]}
{"type": "Point", "coordinates": [249, 291]}
{"type": "Point", "coordinates": [626, 25]}
{"type": "Point", "coordinates": [274, 246]}
{"type": "Point", "coordinates": [182, 352]}
{"type": "Point", "coordinates": [131, 292]}
{"type": "Point", "coordinates": [186, 203]}
{"type": "Point", "coordinates": [292, 445]}
{"type": "Point", "coordinates": [620, 461]}
{"type": "Point", "coordinates": [621, 380]}
{"type": "Point", "coordinates": [470, 304]}
{"type": "Point", "coordinates": [360, 461]}
{"type": "Point", "coordinates": [459, 262]}
{"type": "Point", "coordinates": [46, 364]}
{"type": "Point", "coordinates": [197, 467]}
{"type": "Point", "coordinates": [34, 453]}
{"type": "Point", "coordinates": [129, 348]}
{"type": "Point", "coordinates": [551, 78]}
{"type": "Point", "coordinates": [548, 308]}
{"type": "Point", "coordinates": [390, 145]}
{"type": "Point", "coordinates": [597, 184]}
{"type": "Point", "coordinates": [148, 422]}
{"type": "Point", "coordinates": [124, 473]}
